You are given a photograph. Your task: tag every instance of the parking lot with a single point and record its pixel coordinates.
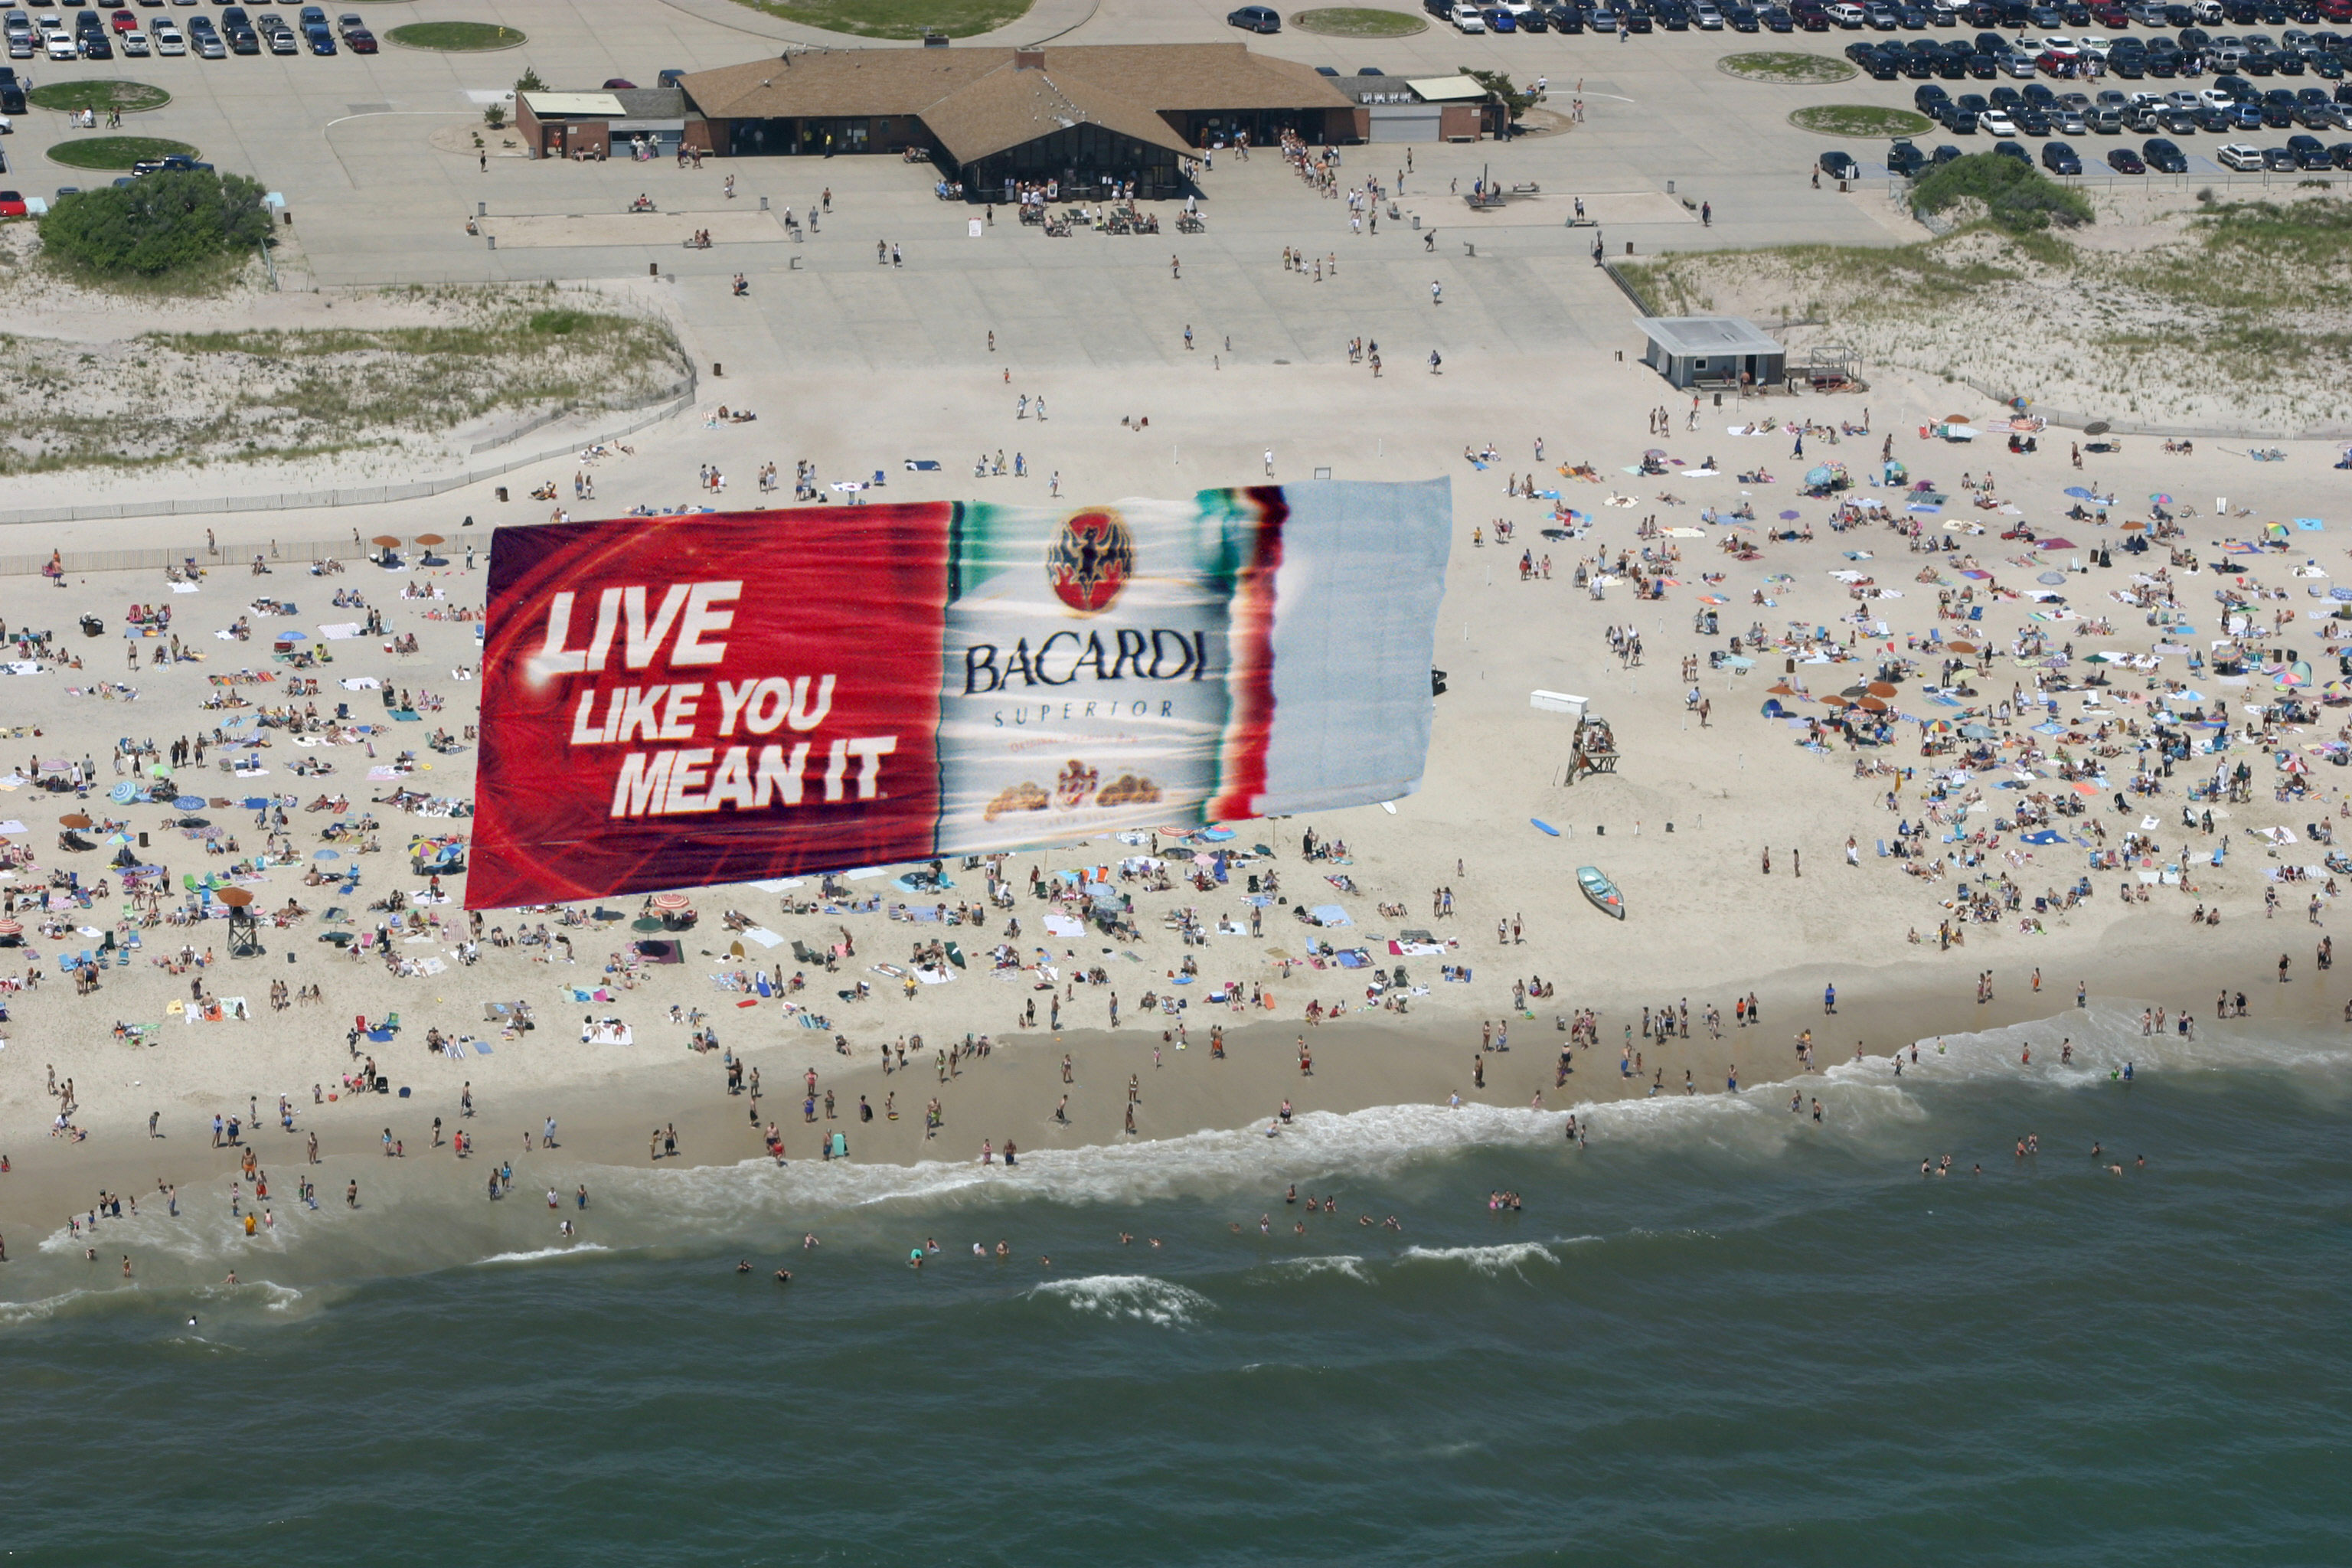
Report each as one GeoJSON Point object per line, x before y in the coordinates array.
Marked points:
{"type": "Point", "coordinates": [375, 158]}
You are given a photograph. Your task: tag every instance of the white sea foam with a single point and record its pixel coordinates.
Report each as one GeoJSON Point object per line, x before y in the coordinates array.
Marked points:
{"type": "Point", "coordinates": [1346, 1264]}
{"type": "Point", "coordinates": [1137, 1298]}
{"type": "Point", "coordinates": [18, 1314]}
{"type": "Point", "coordinates": [1508, 1258]}
{"type": "Point", "coordinates": [541, 1254]}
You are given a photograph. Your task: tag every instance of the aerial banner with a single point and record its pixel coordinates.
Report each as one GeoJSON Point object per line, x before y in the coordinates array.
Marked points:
{"type": "Point", "coordinates": [687, 700]}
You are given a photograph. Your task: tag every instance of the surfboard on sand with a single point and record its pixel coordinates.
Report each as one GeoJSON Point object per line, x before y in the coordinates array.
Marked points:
{"type": "Point", "coordinates": [1546, 826]}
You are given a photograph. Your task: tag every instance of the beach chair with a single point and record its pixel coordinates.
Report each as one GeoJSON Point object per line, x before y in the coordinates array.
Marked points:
{"type": "Point", "coordinates": [1882, 849]}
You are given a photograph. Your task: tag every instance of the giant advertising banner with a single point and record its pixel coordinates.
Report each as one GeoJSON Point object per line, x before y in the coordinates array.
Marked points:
{"type": "Point", "coordinates": [680, 702]}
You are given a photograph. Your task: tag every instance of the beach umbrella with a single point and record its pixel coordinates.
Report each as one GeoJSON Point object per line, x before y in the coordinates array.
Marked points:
{"type": "Point", "coordinates": [1790, 516]}
{"type": "Point", "coordinates": [2134, 527]}
{"type": "Point", "coordinates": [327, 855]}
{"type": "Point", "coordinates": [645, 922]}
{"type": "Point", "coordinates": [2051, 578]}
{"type": "Point", "coordinates": [1882, 688]}
{"type": "Point", "coordinates": [1834, 702]}
{"type": "Point", "coordinates": [73, 819]}
{"type": "Point", "coordinates": [1656, 452]}
{"type": "Point", "coordinates": [293, 637]}
{"type": "Point", "coordinates": [385, 540]}
{"type": "Point", "coordinates": [2080, 493]}
{"type": "Point", "coordinates": [2160, 500]}
{"type": "Point", "coordinates": [672, 901]}
{"type": "Point", "coordinates": [1956, 418]}
{"type": "Point", "coordinates": [2098, 427]}
{"type": "Point", "coordinates": [189, 803]}
{"type": "Point", "coordinates": [194, 822]}
{"type": "Point", "coordinates": [11, 928]}
{"type": "Point", "coordinates": [235, 898]}
{"type": "Point", "coordinates": [430, 539]}
{"type": "Point", "coordinates": [1976, 731]}
{"type": "Point", "coordinates": [1872, 704]}
{"type": "Point", "coordinates": [1961, 647]}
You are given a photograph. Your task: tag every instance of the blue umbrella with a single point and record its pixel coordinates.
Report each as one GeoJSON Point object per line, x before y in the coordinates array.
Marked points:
{"type": "Point", "coordinates": [124, 794]}
{"type": "Point", "coordinates": [305, 636]}
{"type": "Point", "coordinates": [327, 855]}
{"type": "Point", "coordinates": [2079, 493]}
{"type": "Point", "coordinates": [189, 803]}
{"type": "Point", "coordinates": [1976, 731]}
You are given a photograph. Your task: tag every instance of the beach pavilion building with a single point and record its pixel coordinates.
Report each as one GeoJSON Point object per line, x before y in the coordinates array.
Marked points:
{"type": "Point", "coordinates": [1084, 115]}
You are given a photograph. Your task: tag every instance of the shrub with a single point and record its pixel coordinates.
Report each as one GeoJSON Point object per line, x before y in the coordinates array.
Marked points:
{"type": "Point", "coordinates": [157, 225]}
{"type": "Point", "coordinates": [1517, 102]}
{"type": "Point", "coordinates": [2016, 195]}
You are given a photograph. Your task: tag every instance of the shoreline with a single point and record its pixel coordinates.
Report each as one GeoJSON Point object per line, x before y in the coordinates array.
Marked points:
{"type": "Point", "coordinates": [1013, 1092]}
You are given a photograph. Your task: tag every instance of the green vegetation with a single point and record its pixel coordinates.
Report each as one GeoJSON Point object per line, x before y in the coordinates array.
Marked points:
{"type": "Point", "coordinates": [2017, 197]}
{"type": "Point", "coordinates": [116, 151]}
{"type": "Point", "coordinates": [191, 226]}
{"type": "Point", "coordinates": [1498, 84]}
{"type": "Point", "coordinates": [167, 399]}
{"type": "Point", "coordinates": [130, 97]}
{"type": "Point", "coordinates": [1860, 120]}
{"type": "Point", "coordinates": [898, 19]}
{"type": "Point", "coordinates": [1358, 22]}
{"type": "Point", "coordinates": [1786, 66]}
{"type": "Point", "coordinates": [455, 36]}
{"type": "Point", "coordinates": [1903, 279]}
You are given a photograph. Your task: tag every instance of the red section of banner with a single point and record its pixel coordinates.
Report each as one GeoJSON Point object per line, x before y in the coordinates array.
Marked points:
{"type": "Point", "coordinates": [680, 701]}
{"type": "Point", "coordinates": [1252, 651]}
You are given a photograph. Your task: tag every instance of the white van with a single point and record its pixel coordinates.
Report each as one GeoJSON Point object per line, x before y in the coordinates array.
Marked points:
{"type": "Point", "coordinates": [1467, 19]}
{"type": "Point", "coordinates": [1846, 16]}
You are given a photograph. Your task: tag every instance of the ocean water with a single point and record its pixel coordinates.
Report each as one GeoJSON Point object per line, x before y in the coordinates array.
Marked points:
{"type": "Point", "coordinates": [1715, 1333]}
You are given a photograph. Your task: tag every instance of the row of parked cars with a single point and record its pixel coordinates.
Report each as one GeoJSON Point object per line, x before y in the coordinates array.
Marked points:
{"type": "Point", "coordinates": [2302, 152]}
{"type": "Point", "coordinates": [1882, 15]}
{"type": "Point", "coordinates": [1988, 56]}
{"type": "Point", "coordinates": [2231, 106]}
{"type": "Point", "coordinates": [90, 37]}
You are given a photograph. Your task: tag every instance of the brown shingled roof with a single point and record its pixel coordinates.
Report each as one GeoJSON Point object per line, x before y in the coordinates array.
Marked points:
{"type": "Point", "coordinates": [1121, 86]}
{"type": "Point", "coordinates": [1009, 107]}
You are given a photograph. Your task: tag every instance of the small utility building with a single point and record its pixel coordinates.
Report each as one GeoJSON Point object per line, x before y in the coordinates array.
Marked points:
{"type": "Point", "coordinates": [1714, 351]}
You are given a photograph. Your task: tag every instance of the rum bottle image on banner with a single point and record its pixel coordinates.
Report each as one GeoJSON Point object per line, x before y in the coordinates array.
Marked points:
{"type": "Point", "coordinates": [1089, 669]}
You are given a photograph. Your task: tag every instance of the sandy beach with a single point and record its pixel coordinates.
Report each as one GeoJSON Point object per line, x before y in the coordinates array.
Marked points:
{"type": "Point", "coordinates": [1683, 826]}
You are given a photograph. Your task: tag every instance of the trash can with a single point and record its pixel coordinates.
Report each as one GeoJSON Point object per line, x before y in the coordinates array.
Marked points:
{"type": "Point", "coordinates": [502, 492]}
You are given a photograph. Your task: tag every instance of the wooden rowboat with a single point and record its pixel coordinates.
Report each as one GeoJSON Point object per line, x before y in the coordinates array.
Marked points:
{"type": "Point", "coordinates": [1601, 892]}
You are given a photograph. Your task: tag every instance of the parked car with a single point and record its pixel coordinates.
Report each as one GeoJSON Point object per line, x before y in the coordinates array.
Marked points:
{"type": "Point", "coordinates": [320, 40]}
{"type": "Point", "coordinates": [2124, 161]}
{"type": "Point", "coordinates": [1468, 19]}
{"type": "Point", "coordinates": [2163, 156]}
{"type": "Point", "coordinates": [12, 204]}
{"type": "Point", "coordinates": [1840, 165]}
{"type": "Point", "coordinates": [1905, 159]}
{"type": "Point", "coordinates": [2060, 158]}
{"type": "Point", "coordinates": [1994, 123]}
{"type": "Point", "coordinates": [2238, 155]}
{"type": "Point", "coordinates": [1256, 18]}
{"type": "Point", "coordinates": [169, 39]}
